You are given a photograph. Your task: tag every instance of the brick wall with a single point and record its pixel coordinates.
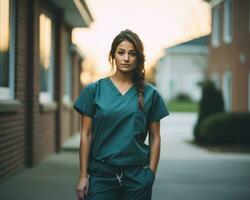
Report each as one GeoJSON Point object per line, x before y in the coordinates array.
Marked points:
{"type": "Point", "coordinates": [13, 125]}
{"type": "Point", "coordinates": [34, 131]}
{"type": "Point", "coordinates": [227, 56]}
{"type": "Point", "coordinates": [242, 41]}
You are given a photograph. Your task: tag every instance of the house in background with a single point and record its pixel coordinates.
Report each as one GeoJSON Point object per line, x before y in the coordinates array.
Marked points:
{"type": "Point", "coordinates": [39, 78]}
{"type": "Point", "coordinates": [229, 58]}
{"type": "Point", "coordinates": [182, 69]}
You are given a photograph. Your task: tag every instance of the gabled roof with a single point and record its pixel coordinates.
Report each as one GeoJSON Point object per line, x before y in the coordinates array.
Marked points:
{"type": "Point", "coordinates": [201, 41]}
{"type": "Point", "coordinates": [197, 45]}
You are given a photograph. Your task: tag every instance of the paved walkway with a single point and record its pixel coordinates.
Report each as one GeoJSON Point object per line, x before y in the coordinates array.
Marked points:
{"type": "Point", "coordinates": [185, 172]}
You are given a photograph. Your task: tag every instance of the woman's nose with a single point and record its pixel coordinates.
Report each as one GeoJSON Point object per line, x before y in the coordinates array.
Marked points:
{"type": "Point", "coordinates": [126, 57]}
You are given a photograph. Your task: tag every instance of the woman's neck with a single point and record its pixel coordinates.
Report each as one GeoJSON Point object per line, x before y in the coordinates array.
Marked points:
{"type": "Point", "coordinates": [123, 77]}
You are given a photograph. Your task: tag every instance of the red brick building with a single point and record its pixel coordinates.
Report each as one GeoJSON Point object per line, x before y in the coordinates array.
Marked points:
{"type": "Point", "coordinates": [39, 78]}
{"type": "Point", "coordinates": [229, 59]}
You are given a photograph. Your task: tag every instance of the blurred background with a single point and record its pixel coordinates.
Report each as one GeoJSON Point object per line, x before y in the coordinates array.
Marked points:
{"type": "Point", "coordinates": [197, 55]}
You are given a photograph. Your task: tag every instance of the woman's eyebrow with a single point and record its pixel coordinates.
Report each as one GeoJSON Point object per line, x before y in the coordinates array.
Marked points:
{"type": "Point", "coordinates": [124, 49]}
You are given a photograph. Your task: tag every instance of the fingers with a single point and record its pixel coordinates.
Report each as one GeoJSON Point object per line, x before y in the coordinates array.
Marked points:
{"type": "Point", "coordinates": [86, 190]}
{"type": "Point", "coordinates": [79, 193]}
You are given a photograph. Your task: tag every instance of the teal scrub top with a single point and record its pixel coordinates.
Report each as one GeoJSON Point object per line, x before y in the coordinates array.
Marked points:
{"type": "Point", "coordinates": [119, 126]}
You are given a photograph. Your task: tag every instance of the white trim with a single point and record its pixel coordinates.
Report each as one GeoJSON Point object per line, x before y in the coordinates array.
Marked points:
{"type": "Point", "coordinates": [5, 93]}
{"type": "Point", "coordinates": [227, 21]}
{"type": "Point", "coordinates": [66, 99]}
{"type": "Point", "coordinates": [82, 12]}
{"type": "Point", "coordinates": [215, 2]}
{"type": "Point", "coordinates": [216, 26]}
{"type": "Point", "coordinates": [45, 97]}
{"type": "Point", "coordinates": [215, 78]}
{"type": "Point", "coordinates": [227, 90]}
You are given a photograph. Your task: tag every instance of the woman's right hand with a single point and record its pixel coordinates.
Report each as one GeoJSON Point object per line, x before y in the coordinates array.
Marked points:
{"type": "Point", "coordinates": [82, 187]}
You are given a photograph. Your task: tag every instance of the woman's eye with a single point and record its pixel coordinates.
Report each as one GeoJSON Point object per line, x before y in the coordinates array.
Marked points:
{"type": "Point", "coordinates": [133, 54]}
{"type": "Point", "coordinates": [120, 52]}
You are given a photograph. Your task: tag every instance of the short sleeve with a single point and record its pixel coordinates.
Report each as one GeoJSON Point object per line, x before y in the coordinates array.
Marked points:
{"type": "Point", "coordinates": [158, 108]}
{"type": "Point", "coordinates": [84, 104]}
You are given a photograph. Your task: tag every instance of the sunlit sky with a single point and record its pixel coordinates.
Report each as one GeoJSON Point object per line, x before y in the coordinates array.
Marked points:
{"type": "Point", "coordinates": [159, 23]}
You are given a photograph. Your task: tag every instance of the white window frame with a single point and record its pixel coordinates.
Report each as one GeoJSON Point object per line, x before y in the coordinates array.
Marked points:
{"type": "Point", "coordinates": [215, 78]}
{"type": "Point", "coordinates": [227, 90]}
{"type": "Point", "coordinates": [9, 92]}
{"type": "Point", "coordinates": [216, 26]}
{"type": "Point", "coordinates": [48, 97]}
{"type": "Point", "coordinates": [227, 21]}
{"type": "Point", "coordinates": [215, 2]}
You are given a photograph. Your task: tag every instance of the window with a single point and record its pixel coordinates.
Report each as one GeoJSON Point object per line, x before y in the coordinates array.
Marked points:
{"type": "Point", "coordinates": [67, 70]}
{"type": "Point", "coordinates": [7, 49]}
{"type": "Point", "coordinates": [215, 78]}
{"type": "Point", "coordinates": [216, 26]}
{"type": "Point", "coordinates": [228, 21]}
{"type": "Point", "coordinates": [46, 54]}
{"type": "Point", "coordinates": [227, 90]}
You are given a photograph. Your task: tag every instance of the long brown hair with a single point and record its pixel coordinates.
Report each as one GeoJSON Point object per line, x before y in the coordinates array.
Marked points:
{"type": "Point", "coordinates": [139, 72]}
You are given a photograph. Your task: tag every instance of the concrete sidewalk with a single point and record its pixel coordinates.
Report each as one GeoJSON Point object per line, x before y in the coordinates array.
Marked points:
{"type": "Point", "coordinates": [52, 179]}
{"type": "Point", "coordinates": [72, 144]}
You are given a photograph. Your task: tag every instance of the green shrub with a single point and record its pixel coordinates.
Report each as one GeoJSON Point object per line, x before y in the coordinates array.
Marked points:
{"type": "Point", "coordinates": [211, 103]}
{"type": "Point", "coordinates": [226, 128]}
{"type": "Point", "coordinates": [183, 97]}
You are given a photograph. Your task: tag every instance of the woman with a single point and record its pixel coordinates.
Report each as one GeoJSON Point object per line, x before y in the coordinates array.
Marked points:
{"type": "Point", "coordinates": [117, 113]}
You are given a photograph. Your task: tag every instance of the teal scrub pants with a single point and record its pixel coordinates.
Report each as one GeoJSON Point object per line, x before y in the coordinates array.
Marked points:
{"type": "Point", "coordinates": [109, 182]}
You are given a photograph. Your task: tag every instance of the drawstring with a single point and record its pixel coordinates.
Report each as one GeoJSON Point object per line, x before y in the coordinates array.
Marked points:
{"type": "Point", "coordinates": [119, 177]}
{"type": "Point", "coordinates": [146, 166]}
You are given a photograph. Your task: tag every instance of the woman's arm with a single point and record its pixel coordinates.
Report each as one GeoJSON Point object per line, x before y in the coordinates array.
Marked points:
{"type": "Point", "coordinates": [86, 126]}
{"type": "Point", "coordinates": [155, 145]}
{"type": "Point", "coordinates": [82, 186]}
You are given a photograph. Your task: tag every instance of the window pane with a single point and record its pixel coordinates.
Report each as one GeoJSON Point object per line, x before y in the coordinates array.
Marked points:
{"type": "Point", "coordinates": [215, 77]}
{"type": "Point", "coordinates": [4, 42]}
{"type": "Point", "coordinates": [44, 74]}
{"type": "Point", "coordinates": [230, 5]}
{"type": "Point", "coordinates": [216, 27]}
{"type": "Point", "coordinates": [228, 20]}
{"type": "Point", "coordinates": [45, 52]}
{"type": "Point", "coordinates": [227, 90]}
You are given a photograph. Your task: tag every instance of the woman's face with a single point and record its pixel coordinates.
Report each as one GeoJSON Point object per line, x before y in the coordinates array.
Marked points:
{"type": "Point", "coordinates": [125, 56]}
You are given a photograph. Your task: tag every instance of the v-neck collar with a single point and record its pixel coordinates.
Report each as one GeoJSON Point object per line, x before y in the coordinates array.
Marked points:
{"type": "Point", "coordinates": [116, 88]}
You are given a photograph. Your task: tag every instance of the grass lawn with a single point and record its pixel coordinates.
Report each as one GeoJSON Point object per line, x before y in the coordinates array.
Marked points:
{"type": "Point", "coordinates": [182, 106]}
